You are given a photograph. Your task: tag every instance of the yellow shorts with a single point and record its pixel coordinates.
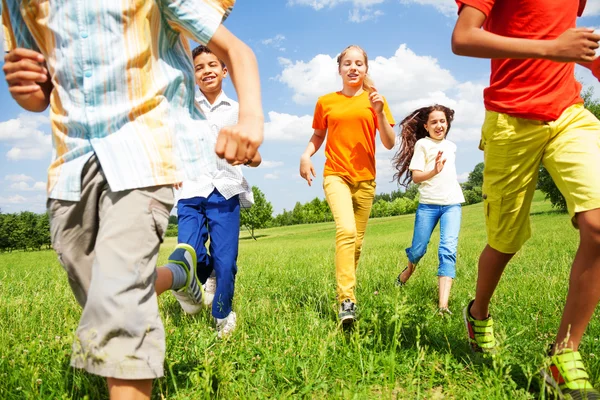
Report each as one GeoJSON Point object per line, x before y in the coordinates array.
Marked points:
{"type": "Point", "coordinates": [513, 149]}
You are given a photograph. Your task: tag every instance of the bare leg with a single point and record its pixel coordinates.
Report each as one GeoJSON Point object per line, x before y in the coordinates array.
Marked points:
{"type": "Point", "coordinates": [121, 389]}
{"type": "Point", "coordinates": [164, 280]}
{"type": "Point", "coordinates": [490, 269]}
{"type": "Point", "coordinates": [444, 286]}
{"type": "Point", "coordinates": [407, 273]}
{"type": "Point", "coordinates": [584, 291]}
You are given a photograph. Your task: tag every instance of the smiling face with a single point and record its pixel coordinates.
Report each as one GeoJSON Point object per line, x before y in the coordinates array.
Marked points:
{"type": "Point", "coordinates": [353, 67]}
{"type": "Point", "coordinates": [209, 73]}
{"type": "Point", "coordinates": [437, 125]}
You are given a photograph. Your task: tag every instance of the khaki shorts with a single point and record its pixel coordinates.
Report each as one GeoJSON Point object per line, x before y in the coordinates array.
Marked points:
{"type": "Point", "coordinates": [513, 149]}
{"type": "Point", "coordinates": [108, 244]}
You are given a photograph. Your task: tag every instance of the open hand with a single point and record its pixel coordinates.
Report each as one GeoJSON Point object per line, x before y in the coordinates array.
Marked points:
{"type": "Point", "coordinates": [307, 170]}
{"type": "Point", "coordinates": [439, 163]}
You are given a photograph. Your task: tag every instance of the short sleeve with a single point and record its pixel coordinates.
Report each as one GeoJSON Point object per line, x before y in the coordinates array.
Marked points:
{"type": "Point", "coordinates": [418, 159]}
{"type": "Point", "coordinates": [16, 33]}
{"type": "Point", "coordinates": [485, 6]}
{"type": "Point", "coordinates": [319, 120]}
{"type": "Point", "coordinates": [388, 113]}
{"type": "Point", "coordinates": [197, 19]}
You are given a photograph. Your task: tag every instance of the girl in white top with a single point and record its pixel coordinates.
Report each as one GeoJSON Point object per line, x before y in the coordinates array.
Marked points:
{"type": "Point", "coordinates": [427, 158]}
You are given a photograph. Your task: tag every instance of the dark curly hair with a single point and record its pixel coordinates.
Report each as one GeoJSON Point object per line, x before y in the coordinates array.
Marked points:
{"type": "Point", "coordinates": [412, 128]}
{"type": "Point", "coordinates": [203, 49]}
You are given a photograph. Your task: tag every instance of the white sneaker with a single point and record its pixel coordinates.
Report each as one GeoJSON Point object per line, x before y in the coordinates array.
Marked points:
{"type": "Point", "coordinates": [226, 325]}
{"type": "Point", "coordinates": [210, 288]}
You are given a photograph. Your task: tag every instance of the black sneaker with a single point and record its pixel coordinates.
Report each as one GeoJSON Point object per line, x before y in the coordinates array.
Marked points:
{"type": "Point", "coordinates": [347, 312]}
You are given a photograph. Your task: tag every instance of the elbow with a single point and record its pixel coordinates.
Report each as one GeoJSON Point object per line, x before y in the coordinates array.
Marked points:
{"type": "Point", "coordinates": [459, 43]}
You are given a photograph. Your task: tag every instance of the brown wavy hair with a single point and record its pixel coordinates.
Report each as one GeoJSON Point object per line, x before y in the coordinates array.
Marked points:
{"type": "Point", "coordinates": [368, 84]}
{"type": "Point", "coordinates": [412, 128]}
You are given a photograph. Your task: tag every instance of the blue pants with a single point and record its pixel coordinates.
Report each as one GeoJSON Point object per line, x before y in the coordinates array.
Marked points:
{"type": "Point", "coordinates": [219, 218]}
{"type": "Point", "coordinates": [426, 219]}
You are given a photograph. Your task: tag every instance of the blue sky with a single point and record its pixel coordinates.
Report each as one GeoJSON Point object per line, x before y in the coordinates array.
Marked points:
{"type": "Point", "coordinates": [296, 42]}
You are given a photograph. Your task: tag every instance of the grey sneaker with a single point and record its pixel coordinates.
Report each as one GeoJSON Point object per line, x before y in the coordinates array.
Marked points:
{"type": "Point", "coordinates": [347, 312]}
{"type": "Point", "coordinates": [189, 296]}
{"type": "Point", "coordinates": [210, 288]}
{"type": "Point", "coordinates": [226, 325]}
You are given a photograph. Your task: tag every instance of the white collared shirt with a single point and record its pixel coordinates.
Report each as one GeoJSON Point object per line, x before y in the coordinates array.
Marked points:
{"type": "Point", "coordinates": [227, 179]}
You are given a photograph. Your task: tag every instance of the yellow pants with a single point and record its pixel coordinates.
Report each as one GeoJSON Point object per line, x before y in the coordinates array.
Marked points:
{"type": "Point", "coordinates": [350, 204]}
{"type": "Point", "coordinates": [513, 149]}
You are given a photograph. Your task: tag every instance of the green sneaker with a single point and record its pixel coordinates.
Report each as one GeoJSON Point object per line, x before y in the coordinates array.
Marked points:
{"type": "Point", "coordinates": [567, 376]}
{"type": "Point", "coordinates": [189, 296]}
{"type": "Point", "coordinates": [480, 332]}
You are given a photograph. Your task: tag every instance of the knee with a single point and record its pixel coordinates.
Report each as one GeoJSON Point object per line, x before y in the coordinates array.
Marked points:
{"type": "Point", "coordinates": [346, 233]}
{"type": "Point", "coordinates": [589, 226]}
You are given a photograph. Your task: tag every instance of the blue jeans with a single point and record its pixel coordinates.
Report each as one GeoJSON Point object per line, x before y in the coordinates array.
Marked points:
{"type": "Point", "coordinates": [218, 217]}
{"type": "Point", "coordinates": [426, 219]}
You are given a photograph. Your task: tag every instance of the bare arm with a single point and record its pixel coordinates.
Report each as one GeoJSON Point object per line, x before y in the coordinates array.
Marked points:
{"type": "Point", "coordinates": [419, 176]}
{"type": "Point", "coordinates": [388, 137]}
{"type": "Point", "coordinates": [240, 142]}
{"type": "Point", "coordinates": [307, 170]}
{"type": "Point", "coordinates": [468, 39]}
{"type": "Point", "coordinates": [28, 79]}
{"type": "Point", "coordinates": [593, 66]}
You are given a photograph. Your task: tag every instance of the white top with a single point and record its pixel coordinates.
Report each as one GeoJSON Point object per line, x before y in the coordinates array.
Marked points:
{"type": "Point", "coordinates": [227, 179]}
{"type": "Point", "coordinates": [443, 189]}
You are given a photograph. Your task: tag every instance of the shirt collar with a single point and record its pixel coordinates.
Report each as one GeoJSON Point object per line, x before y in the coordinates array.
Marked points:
{"type": "Point", "coordinates": [221, 99]}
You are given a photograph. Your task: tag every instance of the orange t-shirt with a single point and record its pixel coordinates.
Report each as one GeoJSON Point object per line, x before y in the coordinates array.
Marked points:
{"type": "Point", "coordinates": [532, 88]}
{"type": "Point", "coordinates": [350, 123]}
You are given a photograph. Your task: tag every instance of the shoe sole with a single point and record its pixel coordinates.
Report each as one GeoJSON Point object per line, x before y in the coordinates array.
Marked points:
{"type": "Point", "coordinates": [549, 380]}
{"type": "Point", "coordinates": [347, 320]}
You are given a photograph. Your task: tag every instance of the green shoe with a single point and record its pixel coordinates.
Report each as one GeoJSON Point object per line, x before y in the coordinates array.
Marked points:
{"type": "Point", "coordinates": [567, 376]}
{"type": "Point", "coordinates": [480, 332]}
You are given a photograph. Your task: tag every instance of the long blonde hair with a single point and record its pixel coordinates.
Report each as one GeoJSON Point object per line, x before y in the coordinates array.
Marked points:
{"type": "Point", "coordinates": [368, 84]}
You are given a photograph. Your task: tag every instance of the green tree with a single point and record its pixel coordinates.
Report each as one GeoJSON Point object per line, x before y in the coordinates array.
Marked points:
{"type": "Point", "coordinates": [545, 182]}
{"type": "Point", "coordinates": [475, 178]}
{"type": "Point", "coordinates": [259, 215]}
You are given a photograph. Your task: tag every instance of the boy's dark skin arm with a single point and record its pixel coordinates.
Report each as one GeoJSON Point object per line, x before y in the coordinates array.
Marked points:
{"type": "Point", "coordinates": [28, 79]}
{"type": "Point", "coordinates": [468, 39]}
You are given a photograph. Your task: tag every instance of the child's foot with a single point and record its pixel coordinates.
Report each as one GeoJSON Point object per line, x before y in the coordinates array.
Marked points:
{"type": "Point", "coordinates": [405, 275]}
{"type": "Point", "coordinates": [226, 326]}
{"type": "Point", "coordinates": [347, 313]}
{"type": "Point", "coordinates": [444, 311]}
{"type": "Point", "coordinates": [568, 378]}
{"type": "Point", "coordinates": [210, 288]}
{"type": "Point", "coordinates": [480, 332]}
{"type": "Point", "coordinates": [190, 296]}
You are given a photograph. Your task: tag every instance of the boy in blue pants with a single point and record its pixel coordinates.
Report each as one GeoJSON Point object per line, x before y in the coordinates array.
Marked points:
{"type": "Point", "coordinates": [125, 128]}
{"type": "Point", "coordinates": [209, 205]}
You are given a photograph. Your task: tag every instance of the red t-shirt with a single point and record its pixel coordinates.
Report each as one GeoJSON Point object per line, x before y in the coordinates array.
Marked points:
{"type": "Point", "coordinates": [532, 88]}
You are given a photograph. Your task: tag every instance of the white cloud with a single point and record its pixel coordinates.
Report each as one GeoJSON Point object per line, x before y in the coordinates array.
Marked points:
{"type": "Point", "coordinates": [592, 8]}
{"type": "Point", "coordinates": [16, 199]}
{"type": "Point", "coordinates": [362, 10]}
{"type": "Point", "coordinates": [275, 42]}
{"type": "Point", "coordinates": [407, 80]}
{"type": "Point", "coordinates": [18, 178]}
{"type": "Point", "coordinates": [270, 164]}
{"type": "Point", "coordinates": [287, 127]}
{"type": "Point", "coordinates": [24, 135]}
{"type": "Point", "coordinates": [447, 7]}
{"type": "Point", "coordinates": [463, 177]}
{"type": "Point", "coordinates": [271, 176]}
{"type": "Point", "coordinates": [24, 186]}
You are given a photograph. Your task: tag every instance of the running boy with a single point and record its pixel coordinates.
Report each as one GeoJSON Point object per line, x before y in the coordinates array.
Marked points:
{"type": "Point", "coordinates": [209, 205]}
{"type": "Point", "coordinates": [535, 114]}
{"type": "Point", "coordinates": [119, 81]}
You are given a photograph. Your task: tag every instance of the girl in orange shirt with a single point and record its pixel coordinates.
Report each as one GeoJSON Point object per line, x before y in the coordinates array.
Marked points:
{"type": "Point", "coordinates": [351, 117]}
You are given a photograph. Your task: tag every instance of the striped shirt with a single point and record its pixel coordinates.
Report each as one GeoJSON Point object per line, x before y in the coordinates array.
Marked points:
{"type": "Point", "coordinates": [123, 86]}
{"type": "Point", "coordinates": [227, 179]}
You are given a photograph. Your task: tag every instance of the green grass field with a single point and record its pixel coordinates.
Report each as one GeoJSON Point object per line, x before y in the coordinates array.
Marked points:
{"type": "Point", "coordinates": [288, 343]}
